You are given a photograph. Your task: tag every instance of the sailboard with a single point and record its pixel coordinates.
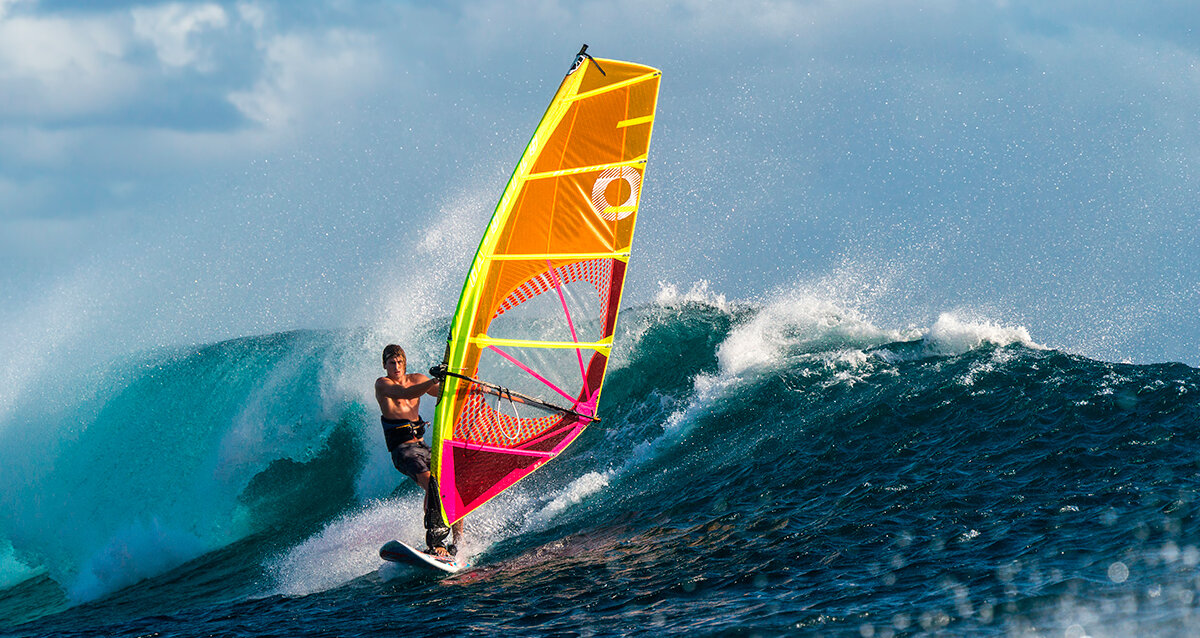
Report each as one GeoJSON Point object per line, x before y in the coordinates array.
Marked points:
{"type": "Point", "coordinates": [533, 331]}
{"type": "Point", "coordinates": [398, 552]}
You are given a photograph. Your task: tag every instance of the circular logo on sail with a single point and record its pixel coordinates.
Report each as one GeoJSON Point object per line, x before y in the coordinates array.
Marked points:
{"type": "Point", "coordinates": [630, 181]}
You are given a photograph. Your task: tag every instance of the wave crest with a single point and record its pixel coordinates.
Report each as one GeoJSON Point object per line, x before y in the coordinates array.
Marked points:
{"type": "Point", "coordinates": [952, 335]}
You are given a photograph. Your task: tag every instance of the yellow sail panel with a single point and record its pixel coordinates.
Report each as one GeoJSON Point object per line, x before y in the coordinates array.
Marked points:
{"type": "Point", "coordinates": [530, 339]}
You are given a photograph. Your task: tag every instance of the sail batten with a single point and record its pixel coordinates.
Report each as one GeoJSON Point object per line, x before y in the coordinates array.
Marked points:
{"type": "Point", "coordinates": [624, 255]}
{"type": "Point", "coordinates": [486, 341]}
{"type": "Point", "coordinates": [540, 300]}
{"type": "Point", "coordinates": [635, 121]}
{"type": "Point", "coordinates": [617, 85]}
{"type": "Point", "coordinates": [590, 169]}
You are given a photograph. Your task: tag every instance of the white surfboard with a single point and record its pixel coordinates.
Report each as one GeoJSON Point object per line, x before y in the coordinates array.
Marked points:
{"type": "Point", "coordinates": [398, 552]}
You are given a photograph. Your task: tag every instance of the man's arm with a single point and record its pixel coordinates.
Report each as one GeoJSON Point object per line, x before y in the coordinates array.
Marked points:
{"type": "Point", "coordinates": [435, 390]}
{"type": "Point", "coordinates": [392, 390]}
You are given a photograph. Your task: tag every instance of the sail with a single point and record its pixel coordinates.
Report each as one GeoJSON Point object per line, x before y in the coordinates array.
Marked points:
{"type": "Point", "coordinates": [530, 340]}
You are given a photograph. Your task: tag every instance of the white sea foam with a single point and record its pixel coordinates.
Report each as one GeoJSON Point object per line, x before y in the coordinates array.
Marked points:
{"type": "Point", "coordinates": [698, 293]}
{"type": "Point", "coordinates": [573, 494]}
{"type": "Point", "coordinates": [798, 324]}
{"type": "Point", "coordinates": [954, 335]}
{"type": "Point", "coordinates": [347, 547]}
{"type": "Point", "coordinates": [804, 325]}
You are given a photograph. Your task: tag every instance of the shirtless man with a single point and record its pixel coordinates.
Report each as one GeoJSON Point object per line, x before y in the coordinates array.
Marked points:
{"type": "Point", "coordinates": [399, 396]}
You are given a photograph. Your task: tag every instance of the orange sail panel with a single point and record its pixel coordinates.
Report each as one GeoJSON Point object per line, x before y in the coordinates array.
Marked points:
{"type": "Point", "coordinates": [530, 340]}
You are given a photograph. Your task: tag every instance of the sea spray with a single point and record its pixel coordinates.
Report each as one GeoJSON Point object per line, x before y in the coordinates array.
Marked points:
{"type": "Point", "coordinates": [952, 335]}
{"type": "Point", "coordinates": [347, 547]}
{"type": "Point", "coordinates": [797, 325]}
{"type": "Point", "coordinates": [12, 569]}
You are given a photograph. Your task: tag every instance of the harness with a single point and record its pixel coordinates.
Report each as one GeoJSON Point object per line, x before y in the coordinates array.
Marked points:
{"type": "Point", "coordinates": [399, 431]}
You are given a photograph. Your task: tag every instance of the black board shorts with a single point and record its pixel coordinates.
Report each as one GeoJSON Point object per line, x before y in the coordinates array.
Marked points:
{"type": "Point", "coordinates": [411, 458]}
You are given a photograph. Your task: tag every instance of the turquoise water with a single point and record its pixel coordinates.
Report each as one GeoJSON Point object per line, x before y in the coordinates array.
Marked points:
{"type": "Point", "coordinates": [785, 467]}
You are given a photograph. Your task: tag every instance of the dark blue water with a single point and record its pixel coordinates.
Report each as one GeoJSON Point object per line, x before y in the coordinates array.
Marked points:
{"type": "Point", "coordinates": [759, 470]}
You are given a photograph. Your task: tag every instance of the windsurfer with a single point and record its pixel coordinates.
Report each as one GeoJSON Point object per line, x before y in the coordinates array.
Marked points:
{"type": "Point", "coordinates": [399, 396]}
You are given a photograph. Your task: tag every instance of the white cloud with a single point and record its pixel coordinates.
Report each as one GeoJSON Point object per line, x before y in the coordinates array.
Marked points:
{"type": "Point", "coordinates": [252, 14]}
{"type": "Point", "coordinates": [306, 73]}
{"type": "Point", "coordinates": [62, 66]}
{"type": "Point", "coordinates": [5, 4]}
{"type": "Point", "coordinates": [97, 95]}
{"type": "Point", "coordinates": [174, 29]}
{"type": "Point", "coordinates": [55, 67]}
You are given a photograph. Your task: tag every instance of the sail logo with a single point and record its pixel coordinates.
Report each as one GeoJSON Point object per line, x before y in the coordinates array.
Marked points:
{"type": "Point", "coordinates": [632, 181]}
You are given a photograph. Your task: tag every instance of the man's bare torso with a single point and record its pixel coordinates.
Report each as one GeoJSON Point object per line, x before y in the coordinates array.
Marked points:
{"type": "Point", "coordinates": [394, 408]}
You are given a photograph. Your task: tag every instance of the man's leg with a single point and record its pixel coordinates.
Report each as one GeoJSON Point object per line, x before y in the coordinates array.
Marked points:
{"type": "Point", "coordinates": [435, 531]}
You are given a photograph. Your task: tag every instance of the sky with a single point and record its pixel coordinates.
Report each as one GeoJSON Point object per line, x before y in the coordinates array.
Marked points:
{"type": "Point", "coordinates": [186, 172]}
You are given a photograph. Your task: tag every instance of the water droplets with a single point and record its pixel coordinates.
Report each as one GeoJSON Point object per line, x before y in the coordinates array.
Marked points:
{"type": "Point", "coordinates": [1118, 572]}
{"type": "Point", "coordinates": [1075, 631]}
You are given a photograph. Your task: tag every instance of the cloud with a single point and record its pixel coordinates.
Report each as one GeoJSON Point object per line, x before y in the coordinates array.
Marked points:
{"type": "Point", "coordinates": [97, 97]}
{"type": "Point", "coordinates": [6, 4]}
{"type": "Point", "coordinates": [175, 31]}
{"type": "Point", "coordinates": [52, 68]}
{"type": "Point", "coordinates": [309, 72]}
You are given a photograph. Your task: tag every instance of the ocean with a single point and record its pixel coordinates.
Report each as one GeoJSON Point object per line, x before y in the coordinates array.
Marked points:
{"type": "Point", "coordinates": [785, 467]}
